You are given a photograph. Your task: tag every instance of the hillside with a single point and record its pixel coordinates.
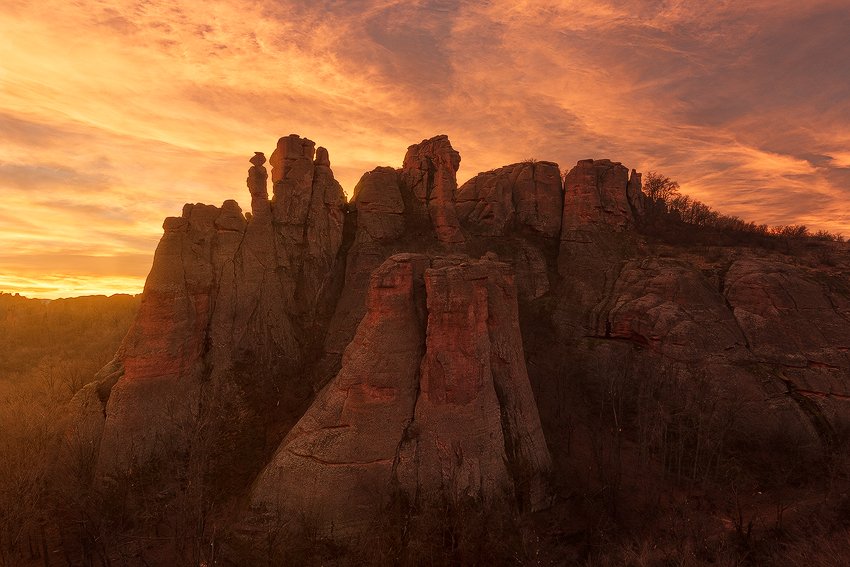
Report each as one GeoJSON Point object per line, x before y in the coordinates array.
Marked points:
{"type": "Point", "coordinates": [48, 351]}
{"type": "Point", "coordinates": [37, 334]}
{"type": "Point", "coordinates": [526, 369]}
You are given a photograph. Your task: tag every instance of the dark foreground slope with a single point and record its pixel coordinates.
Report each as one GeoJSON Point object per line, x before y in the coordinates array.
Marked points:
{"type": "Point", "coordinates": [506, 371]}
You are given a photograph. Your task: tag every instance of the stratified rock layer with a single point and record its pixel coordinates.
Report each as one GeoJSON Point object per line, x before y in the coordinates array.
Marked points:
{"type": "Point", "coordinates": [432, 400]}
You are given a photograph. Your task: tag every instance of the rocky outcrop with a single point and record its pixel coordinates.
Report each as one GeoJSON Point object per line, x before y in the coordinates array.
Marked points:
{"type": "Point", "coordinates": [670, 307]}
{"type": "Point", "coordinates": [797, 327]}
{"type": "Point", "coordinates": [380, 206]}
{"type": "Point", "coordinates": [444, 410]}
{"type": "Point", "coordinates": [599, 193]}
{"type": "Point", "coordinates": [419, 197]}
{"type": "Point", "coordinates": [527, 194]}
{"type": "Point", "coordinates": [430, 174]}
{"type": "Point", "coordinates": [788, 316]}
{"type": "Point", "coordinates": [230, 310]}
{"type": "Point", "coordinates": [308, 212]}
{"type": "Point", "coordinates": [601, 204]}
{"type": "Point", "coordinates": [411, 209]}
{"type": "Point", "coordinates": [353, 355]}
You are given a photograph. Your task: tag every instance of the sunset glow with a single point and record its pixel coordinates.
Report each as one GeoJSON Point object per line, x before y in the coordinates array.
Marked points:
{"type": "Point", "coordinates": [113, 114]}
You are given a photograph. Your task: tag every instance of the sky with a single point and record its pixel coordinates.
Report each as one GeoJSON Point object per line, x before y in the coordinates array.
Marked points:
{"type": "Point", "coordinates": [115, 113]}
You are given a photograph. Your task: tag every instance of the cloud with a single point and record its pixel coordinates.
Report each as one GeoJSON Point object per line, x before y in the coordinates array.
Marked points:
{"type": "Point", "coordinates": [115, 113]}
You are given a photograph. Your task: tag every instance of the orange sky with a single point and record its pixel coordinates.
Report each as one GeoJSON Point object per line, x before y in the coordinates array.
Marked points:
{"type": "Point", "coordinates": [113, 114]}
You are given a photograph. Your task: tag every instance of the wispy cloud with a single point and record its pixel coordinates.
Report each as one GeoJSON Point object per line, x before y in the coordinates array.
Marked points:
{"type": "Point", "coordinates": [112, 114]}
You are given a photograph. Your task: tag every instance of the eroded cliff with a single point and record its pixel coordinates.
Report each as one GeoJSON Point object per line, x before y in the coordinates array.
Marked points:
{"type": "Point", "coordinates": [445, 343]}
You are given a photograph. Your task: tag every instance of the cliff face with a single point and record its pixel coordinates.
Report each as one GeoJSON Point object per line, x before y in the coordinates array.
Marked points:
{"type": "Point", "coordinates": [432, 400]}
{"type": "Point", "coordinates": [230, 312]}
{"type": "Point", "coordinates": [426, 340]}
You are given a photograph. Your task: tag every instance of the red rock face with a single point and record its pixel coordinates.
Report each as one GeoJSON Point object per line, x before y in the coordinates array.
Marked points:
{"type": "Point", "coordinates": [443, 409]}
{"type": "Point", "coordinates": [788, 316]}
{"type": "Point", "coordinates": [410, 209]}
{"type": "Point", "coordinates": [670, 307]}
{"type": "Point", "coordinates": [601, 201]}
{"type": "Point", "coordinates": [228, 304]}
{"type": "Point", "coordinates": [520, 195]}
{"type": "Point", "coordinates": [426, 391]}
{"type": "Point", "coordinates": [380, 206]}
{"type": "Point", "coordinates": [762, 339]}
{"type": "Point", "coordinates": [596, 194]}
{"type": "Point", "coordinates": [166, 341]}
{"type": "Point", "coordinates": [430, 173]}
{"type": "Point", "coordinates": [307, 210]}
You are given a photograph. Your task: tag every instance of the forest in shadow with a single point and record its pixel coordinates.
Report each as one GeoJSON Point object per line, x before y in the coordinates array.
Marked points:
{"type": "Point", "coordinates": [49, 349]}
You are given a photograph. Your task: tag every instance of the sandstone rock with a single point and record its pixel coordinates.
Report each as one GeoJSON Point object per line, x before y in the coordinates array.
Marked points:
{"type": "Point", "coordinates": [670, 307]}
{"type": "Point", "coordinates": [594, 229]}
{"type": "Point", "coordinates": [321, 240]}
{"type": "Point", "coordinates": [798, 332]}
{"type": "Point", "coordinates": [162, 354]}
{"type": "Point", "coordinates": [443, 410]}
{"type": "Point", "coordinates": [532, 271]}
{"type": "Point", "coordinates": [258, 187]}
{"type": "Point", "coordinates": [652, 333]}
{"type": "Point", "coordinates": [787, 316]}
{"type": "Point", "coordinates": [231, 217]}
{"type": "Point", "coordinates": [393, 210]}
{"type": "Point", "coordinates": [635, 194]}
{"type": "Point", "coordinates": [430, 173]}
{"type": "Point", "coordinates": [429, 385]}
{"type": "Point", "coordinates": [228, 313]}
{"type": "Point", "coordinates": [292, 159]}
{"type": "Point", "coordinates": [523, 194]}
{"type": "Point", "coordinates": [379, 204]}
{"type": "Point", "coordinates": [308, 221]}
{"type": "Point", "coordinates": [596, 194]}
{"type": "Point", "coordinates": [322, 157]}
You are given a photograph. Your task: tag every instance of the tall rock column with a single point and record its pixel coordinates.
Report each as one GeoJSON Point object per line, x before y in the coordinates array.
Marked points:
{"type": "Point", "coordinates": [307, 209]}
{"type": "Point", "coordinates": [163, 351]}
{"type": "Point", "coordinates": [432, 402]}
{"type": "Point", "coordinates": [227, 318]}
{"type": "Point", "coordinates": [430, 172]}
{"type": "Point", "coordinates": [394, 210]}
{"type": "Point", "coordinates": [600, 202]}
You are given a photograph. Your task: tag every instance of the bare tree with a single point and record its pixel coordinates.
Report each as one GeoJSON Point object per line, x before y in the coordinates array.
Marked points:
{"type": "Point", "coordinates": [660, 187]}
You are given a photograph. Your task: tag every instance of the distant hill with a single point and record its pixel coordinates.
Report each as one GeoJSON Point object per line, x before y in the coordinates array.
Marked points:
{"type": "Point", "coordinates": [77, 335]}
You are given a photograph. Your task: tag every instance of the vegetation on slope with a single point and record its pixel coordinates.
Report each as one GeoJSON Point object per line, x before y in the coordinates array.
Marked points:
{"type": "Point", "coordinates": [676, 217]}
{"type": "Point", "coordinates": [48, 350]}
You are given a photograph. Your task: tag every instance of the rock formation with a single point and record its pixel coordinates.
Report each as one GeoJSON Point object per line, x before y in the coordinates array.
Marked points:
{"type": "Point", "coordinates": [430, 173]}
{"type": "Point", "coordinates": [410, 209]}
{"type": "Point", "coordinates": [416, 343]}
{"type": "Point", "coordinates": [230, 307]}
{"type": "Point", "coordinates": [443, 410]}
{"type": "Point", "coordinates": [600, 193]}
{"type": "Point", "coordinates": [527, 194]}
